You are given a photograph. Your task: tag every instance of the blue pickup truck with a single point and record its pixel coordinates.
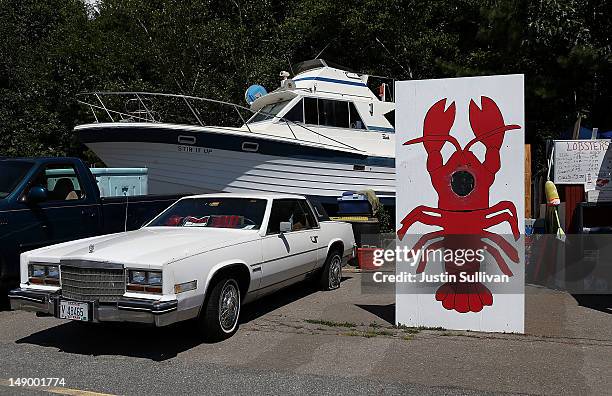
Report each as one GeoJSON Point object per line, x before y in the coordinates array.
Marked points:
{"type": "Point", "coordinates": [38, 208]}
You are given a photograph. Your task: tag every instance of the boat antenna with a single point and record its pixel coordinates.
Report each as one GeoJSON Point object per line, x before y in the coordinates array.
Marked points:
{"type": "Point", "coordinates": [290, 65]}
{"type": "Point", "coordinates": [319, 54]}
{"type": "Point", "coordinates": [159, 57]}
{"type": "Point", "coordinates": [195, 111]}
{"type": "Point", "coordinates": [409, 71]}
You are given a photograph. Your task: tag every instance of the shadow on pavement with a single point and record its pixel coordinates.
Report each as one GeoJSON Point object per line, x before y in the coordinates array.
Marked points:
{"type": "Point", "coordinates": [385, 312]}
{"type": "Point", "coordinates": [118, 339]}
{"type": "Point", "coordinates": [148, 342]}
{"type": "Point", "coordinates": [598, 302]}
{"type": "Point", "coordinates": [276, 300]}
{"type": "Point", "coordinates": [279, 299]}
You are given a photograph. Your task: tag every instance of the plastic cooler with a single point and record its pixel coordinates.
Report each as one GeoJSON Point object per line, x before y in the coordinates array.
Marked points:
{"type": "Point", "coordinates": [365, 258]}
{"type": "Point", "coordinates": [351, 203]}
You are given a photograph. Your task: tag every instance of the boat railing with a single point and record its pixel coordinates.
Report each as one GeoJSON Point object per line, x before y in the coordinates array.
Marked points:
{"type": "Point", "coordinates": [149, 107]}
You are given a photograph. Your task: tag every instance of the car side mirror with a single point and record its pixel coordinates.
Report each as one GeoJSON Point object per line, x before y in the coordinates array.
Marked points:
{"type": "Point", "coordinates": [37, 194]}
{"type": "Point", "coordinates": [285, 226]}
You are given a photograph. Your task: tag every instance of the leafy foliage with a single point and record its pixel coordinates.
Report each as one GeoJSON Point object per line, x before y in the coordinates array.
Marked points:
{"type": "Point", "coordinates": [50, 50]}
{"type": "Point", "coordinates": [384, 219]}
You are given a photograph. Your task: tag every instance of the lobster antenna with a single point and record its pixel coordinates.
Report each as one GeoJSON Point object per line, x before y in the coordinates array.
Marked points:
{"type": "Point", "coordinates": [435, 138]}
{"type": "Point", "coordinates": [501, 129]}
{"type": "Point", "coordinates": [439, 138]}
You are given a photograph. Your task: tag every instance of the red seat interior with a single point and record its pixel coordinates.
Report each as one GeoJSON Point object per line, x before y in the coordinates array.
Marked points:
{"type": "Point", "coordinates": [173, 221]}
{"type": "Point", "coordinates": [197, 220]}
{"type": "Point", "coordinates": [225, 221]}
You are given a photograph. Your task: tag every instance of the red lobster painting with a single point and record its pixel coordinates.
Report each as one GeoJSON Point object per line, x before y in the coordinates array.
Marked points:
{"type": "Point", "coordinates": [463, 212]}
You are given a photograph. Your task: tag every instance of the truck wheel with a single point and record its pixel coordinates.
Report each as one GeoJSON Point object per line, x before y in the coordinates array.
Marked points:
{"type": "Point", "coordinates": [4, 286]}
{"type": "Point", "coordinates": [332, 271]}
{"type": "Point", "coordinates": [219, 316]}
{"type": "Point", "coordinates": [4, 300]}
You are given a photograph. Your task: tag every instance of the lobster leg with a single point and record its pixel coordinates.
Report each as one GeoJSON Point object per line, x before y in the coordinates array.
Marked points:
{"type": "Point", "coordinates": [419, 214]}
{"type": "Point", "coordinates": [511, 217]}
{"type": "Point", "coordinates": [426, 238]}
{"type": "Point", "coordinates": [505, 245]}
{"type": "Point", "coordinates": [503, 205]}
{"type": "Point", "coordinates": [498, 258]}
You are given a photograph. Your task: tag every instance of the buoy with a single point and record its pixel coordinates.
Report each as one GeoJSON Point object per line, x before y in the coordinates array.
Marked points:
{"type": "Point", "coordinates": [552, 196]}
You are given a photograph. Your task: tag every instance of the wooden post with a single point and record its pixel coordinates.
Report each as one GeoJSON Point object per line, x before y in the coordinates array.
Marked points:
{"type": "Point", "coordinates": [528, 181]}
{"type": "Point", "coordinates": [576, 133]}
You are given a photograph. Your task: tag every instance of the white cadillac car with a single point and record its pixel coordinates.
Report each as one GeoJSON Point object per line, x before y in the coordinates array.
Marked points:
{"type": "Point", "coordinates": [202, 258]}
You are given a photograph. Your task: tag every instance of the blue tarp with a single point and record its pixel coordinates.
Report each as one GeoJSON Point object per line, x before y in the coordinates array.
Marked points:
{"type": "Point", "coordinates": [585, 133]}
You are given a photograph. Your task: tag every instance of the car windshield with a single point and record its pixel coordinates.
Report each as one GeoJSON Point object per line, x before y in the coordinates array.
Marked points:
{"type": "Point", "coordinates": [11, 173]}
{"type": "Point", "coordinates": [239, 213]}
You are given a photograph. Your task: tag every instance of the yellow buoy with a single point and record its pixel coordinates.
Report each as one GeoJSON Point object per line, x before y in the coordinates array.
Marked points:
{"type": "Point", "coordinates": [552, 196]}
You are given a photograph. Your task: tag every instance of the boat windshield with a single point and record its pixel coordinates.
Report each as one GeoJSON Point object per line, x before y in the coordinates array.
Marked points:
{"type": "Point", "coordinates": [268, 111]}
{"type": "Point", "coordinates": [11, 173]}
{"type": "Point", "coordinates": [238, 213]}
{"type": "Point", "coordinates": [316, 64]}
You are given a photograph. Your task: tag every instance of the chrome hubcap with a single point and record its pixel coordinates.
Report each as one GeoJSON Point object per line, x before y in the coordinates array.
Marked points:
{"type": "Point", "coordinates": [229, 306]}
{"type": "Point", "coordinates": [335, 272]}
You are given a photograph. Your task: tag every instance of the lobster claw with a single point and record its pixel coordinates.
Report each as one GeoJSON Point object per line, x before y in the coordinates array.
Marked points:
{"type": "Point", "coordinates": [438, 122]}
{"type": "Point", "coordinates": [485, 120]}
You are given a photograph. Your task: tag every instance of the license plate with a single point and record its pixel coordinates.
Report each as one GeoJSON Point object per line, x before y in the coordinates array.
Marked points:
{"type": "Point", "coordinates": [74, 310]}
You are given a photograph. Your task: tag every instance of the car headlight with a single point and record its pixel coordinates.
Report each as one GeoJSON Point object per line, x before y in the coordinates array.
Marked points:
{"type": "Point", "coordinates": [138, 277]}
{"type": "Point", "coordinates": [37, 271]}
{"type": "Point", "coordinates": [53, 271]}
{"type": "Point", "coordinates": [144, 281]}
{"type": "Point", "coordinates": [155, 278]}
{"type": "Point", "coordinates": [44, 274]}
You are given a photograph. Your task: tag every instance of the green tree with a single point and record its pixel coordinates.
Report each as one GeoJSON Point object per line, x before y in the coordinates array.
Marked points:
{"type": "Point", "coordinates": [50, 50]}
{"type": "Point", "coordinates": [44, 62]}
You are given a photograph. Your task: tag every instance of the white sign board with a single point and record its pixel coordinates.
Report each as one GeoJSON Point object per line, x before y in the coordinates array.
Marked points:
{"type": "Point", "coordinates": [460, 203]}
{"type": "Point", "coordinates": [587, 162]}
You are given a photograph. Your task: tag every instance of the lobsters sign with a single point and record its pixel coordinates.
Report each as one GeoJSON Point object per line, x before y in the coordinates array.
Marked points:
{"type": "Point", "coordinates": [460, 203]}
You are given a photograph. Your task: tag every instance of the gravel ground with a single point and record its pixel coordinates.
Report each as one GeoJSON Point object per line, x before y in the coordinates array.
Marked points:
{"type": "Point", "coordinates": [303, 341]}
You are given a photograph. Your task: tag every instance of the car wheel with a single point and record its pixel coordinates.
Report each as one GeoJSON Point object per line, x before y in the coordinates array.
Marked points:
{"type": "Point", "coordinates": [332, 271]}
{"type": "Point", "coordinates": [219, 318]}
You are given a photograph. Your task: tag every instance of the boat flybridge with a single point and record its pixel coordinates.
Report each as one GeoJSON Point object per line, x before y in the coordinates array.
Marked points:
{"type": "Point", "coordinates": [321, 133]}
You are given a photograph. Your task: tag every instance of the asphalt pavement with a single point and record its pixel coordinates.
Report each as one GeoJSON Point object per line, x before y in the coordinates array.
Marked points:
{"type": "Point", "coordinates": [305, 341]}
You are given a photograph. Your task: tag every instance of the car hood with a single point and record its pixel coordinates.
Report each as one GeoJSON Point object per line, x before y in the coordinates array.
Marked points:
{"type": "Point", "coordinates": [147, 247]}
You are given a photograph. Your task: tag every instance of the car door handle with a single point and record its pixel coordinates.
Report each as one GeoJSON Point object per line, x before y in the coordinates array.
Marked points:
{"type": "Point", "coordinates": [314, 238]}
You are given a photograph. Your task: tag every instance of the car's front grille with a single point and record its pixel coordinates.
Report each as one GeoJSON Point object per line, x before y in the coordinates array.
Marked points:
{"type": "Point", "coordinates": [88, 284]}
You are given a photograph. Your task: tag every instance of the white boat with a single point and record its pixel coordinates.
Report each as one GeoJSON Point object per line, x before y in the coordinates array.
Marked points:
{"type": "Point", "coordinates": [321, 133]}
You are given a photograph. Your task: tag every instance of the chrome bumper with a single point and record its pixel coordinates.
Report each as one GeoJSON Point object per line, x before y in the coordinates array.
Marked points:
{"type": "Point", "coordinates": [158, 313]}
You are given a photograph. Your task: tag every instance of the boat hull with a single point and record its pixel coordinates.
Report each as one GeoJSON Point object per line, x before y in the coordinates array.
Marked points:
{"type": "Point", "coordinates": [211, 162]}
